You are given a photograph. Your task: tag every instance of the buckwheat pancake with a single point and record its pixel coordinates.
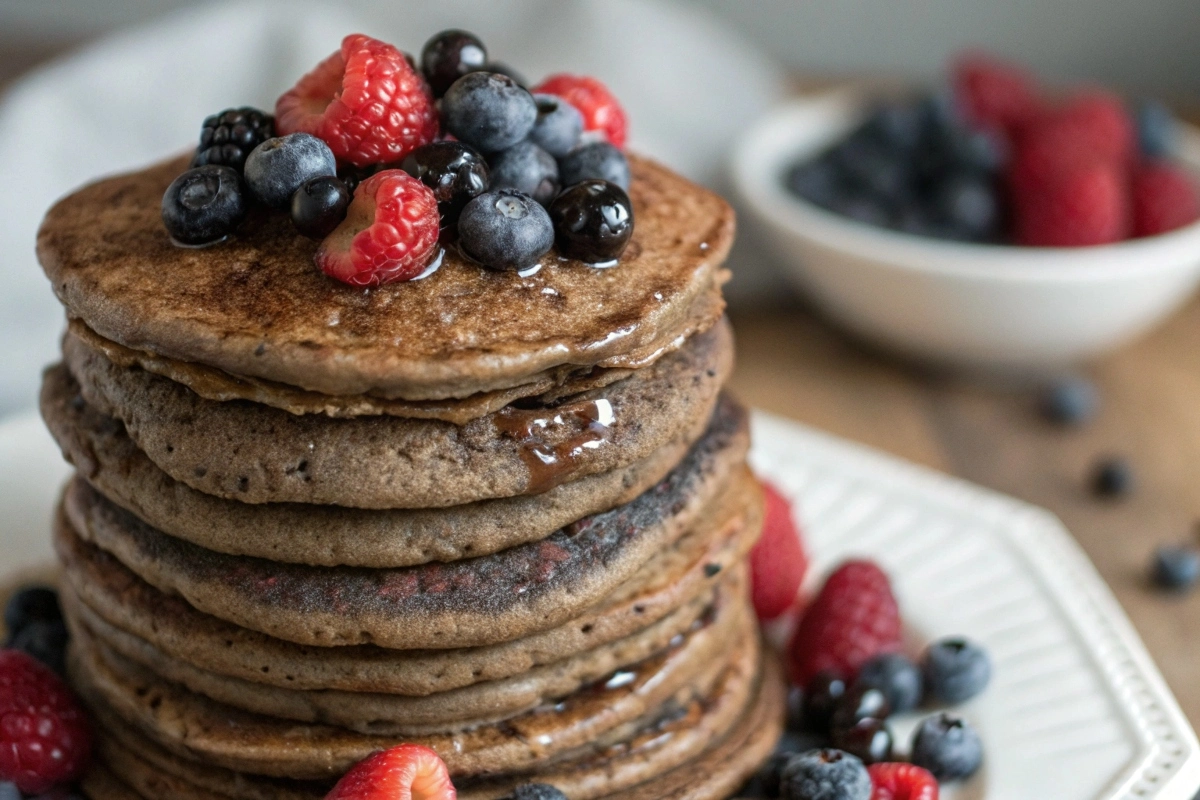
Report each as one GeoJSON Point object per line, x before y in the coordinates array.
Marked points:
{"type": "Point", "coordinates": [257, 454]}
{"type": "Point", "coordinates": [631, 771]}
{"type": "Point", "coordinates": [329, 535]}
{"type": "Point", "coordinates": [195, 727]}
{"type": "Point", "coordinates": [256, 306]}
{"type": "Point", "coordinates": [96, 580]}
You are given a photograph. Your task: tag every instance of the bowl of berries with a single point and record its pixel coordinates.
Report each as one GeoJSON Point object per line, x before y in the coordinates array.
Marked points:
{"type": "Point", "coordinates": [992, 224]}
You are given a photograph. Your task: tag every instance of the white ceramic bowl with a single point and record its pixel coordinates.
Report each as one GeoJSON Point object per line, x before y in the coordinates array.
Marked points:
{"type": "Point", "coordinates": [989, 306]}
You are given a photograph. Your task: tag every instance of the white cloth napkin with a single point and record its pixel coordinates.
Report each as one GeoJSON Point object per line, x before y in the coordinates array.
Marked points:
{"type": "Point", "coordinates": [689, 86]}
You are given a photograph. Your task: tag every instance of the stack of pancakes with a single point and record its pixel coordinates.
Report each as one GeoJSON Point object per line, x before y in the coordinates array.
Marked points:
{"type": "Point", "coordinates": [504, 516]}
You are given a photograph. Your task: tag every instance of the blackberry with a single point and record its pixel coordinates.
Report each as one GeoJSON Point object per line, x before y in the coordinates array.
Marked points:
{"type": "Point", "coordinates": [448, 56]}
{"type": "Point", "coordinates": [593, 221]}
{"type": "Point", "coordinates": [455, 172]}
{"type": "Point", "coordinates": [226, 139]}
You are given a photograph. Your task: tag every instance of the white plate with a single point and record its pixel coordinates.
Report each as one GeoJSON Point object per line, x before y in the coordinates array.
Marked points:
{"type": "Point", "coordinates": [1077, 710]}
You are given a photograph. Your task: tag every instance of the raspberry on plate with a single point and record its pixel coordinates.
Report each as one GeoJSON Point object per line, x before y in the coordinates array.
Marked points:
{"type": "Point", "coordinates": [894, 781]}
{"type": "Point", "coordinates": [777, 562]}
{"type": "Point", "coordinates": [44, 735]}
{"type": "Point", "coordinates": [390, 232]}
{"type": "Point", "coordinates": [1086, 205]}
{"type": "Point", "coordinates": [405, 772]}
{"type": "Point", "coordinates": [1164, 198]}
{"type": "Point", "coordinates": [365, 101]}
{"type": "Point", "coordinates": [993, 94]}
{"type": "Point", "coordinates": [600, 109]}
{"type": "Point", "coordinates": [854, 618]}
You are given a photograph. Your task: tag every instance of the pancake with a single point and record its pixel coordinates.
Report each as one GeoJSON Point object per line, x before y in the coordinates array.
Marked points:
{"type": "Point", "coordinates": [714, 774]}
{"type": "Point", "coordinates": [256, 454]}
{"type": "Point", "coordinates": [332, 536]}
{"type": "Point", "coordinates": [256, 306]}
{"type": "Point", "coordinates": [503, 596]}
{"type": "Point", "coordinates": [122, 600]}
{"type": "Point", "coordinates": [194, 727]}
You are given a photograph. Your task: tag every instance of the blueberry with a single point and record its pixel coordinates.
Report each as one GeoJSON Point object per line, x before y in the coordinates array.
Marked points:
{"type": "Point", "coordinates": [1176, 568]}
{"type": "Point", "coordinates": [948, 747]}
{"type": "Point", "coordinates": [818, 181]}
{"type": "Point", "coordinates": [9, 791]}
{"type": "Point", "coordinates": [454, 171]}
{"type": "Point", "coordinates": [825, 775]}
{"type": "Point", "coordinates": [859, 703]}
{"type": "Point", "coordinates": [537, 791]}
{"type": "Point", "coordinates": [821, 698]}
{"type": "Point", "coordinates": [593, 221]}
{"type": "Point", "coordinates": [1070, 401]}
{"type": "Point", "coordinates": [505, 229]}
{"type": "Point", "coordinates": [898, 125]}
{"type": "Point", "coordinates": [506, 69]}
{"type": "Point", "coordinates": [203, 205]}
{"type": "Point", "coordinates": [528, 169]}
{"type": "Point", "coordinates": [869, 740]}
{"type": "Point", "coordinates": [598, 161]}
{"type": "Point", "coordinates": [44, 640]}
{"type": "Point", "coordinates": [277, 167]}
{"type": "Point", "coordinates": [352, 176]}
{"type": "Point", "coordinates": [955, 670]}
{"type": "Point", "coordinates": [1112, 477]}
{"type": "Point", "coordinates": [227, 138]}
{"type": "Point", "coordinates": [448, 56]}
{"type": "Point", "coordinates": [897, 677]}
{"type": "Point", "coordinates": [879, 173]}
{"type": "Point", "coordinates": [31, 604]}
{"type": "Point", "coordinates": [1155, 128]}
{"type": "Point", "coordinates": [319, 206]}
{"type": "Point", "coordinates": [488, 111]}
{"type": "Point", "coordinates": [970, 203]}
{"type": "Point", "coordinates": [559, 125]}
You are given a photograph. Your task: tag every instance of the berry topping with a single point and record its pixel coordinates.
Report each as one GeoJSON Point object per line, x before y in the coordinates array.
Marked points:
{"type": "Point", "coordinates": [857, 704]}
{"type": "Point", "coordinates": [448, 56]}
{"type": "Point", "coordinates": [505, 230]}
{"type": "Point", "coordinates": [365, 101]}
{"type": "Point", "coordinates": [455, 172]}
{"type": "Point", "coordinates": [598, 161]}
{"type": "Point", "coordinates": [319, 206]}
{"type": "Point", "coordinates": [955, 670]}
{"type": "Point", "coordinates": [593, 221]}
{"type": "Point", "coordinates": [825, 775]}
{"type": "Point", "coordinates": [1112, 477]}
{"type": "Point", "coordinates": [993, 94]}
{"type": "Point", "coordinates": [390, 232]}
{"type": "Point", "coordinates": [1164, 198]}
{"type": "Point", "coordinates": [44, 735]}
{"type": "Point", "coordinates": [31, 604]}
{"type": "Point", "coordinates": [405, 772]}
{"type": "Point", "coordinates": [536, 791]}
{"type": "Point", "coordinates": [1175, 568]}
{"type": "Point", "coordinates": [854, 618]}
{"type": "Point", "coordinates": [777, 562]}
{"type": "Point", "coordinates": [45, 640]}
{"type": "Point", "coordinates": [893, 781]}
{"type": "Point", "coordinates": [528, 169]}
{"type": "Point", "coordinates": [897, 677]}
{"type": "Point", "coordinates": [559, 125]}
{"type": "Point", "coordinates": [1087, 205]}
{"type": "Point", "coordinates": [948, 747]}
{"type": "Point", "coordinates": [600, 109]}
{"type": "Point", "coordinates": [227, 138]}
{"type": "Point", "coordinates": [278, 167]}
{"type": "Point", "coordinates": [1070, 401]}
{"type": "Point", "coordinates": [203, 205]}
{"type": "Point", "coordinates": [869, 740]}
{"type": "Point", "coordinates": [488, 111]}
{"type": "Point", "coordinates": [821, 697]}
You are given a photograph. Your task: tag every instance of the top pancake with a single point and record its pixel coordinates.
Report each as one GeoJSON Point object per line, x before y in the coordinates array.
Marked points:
{"type": "Point", "coordinates": [257, 306]}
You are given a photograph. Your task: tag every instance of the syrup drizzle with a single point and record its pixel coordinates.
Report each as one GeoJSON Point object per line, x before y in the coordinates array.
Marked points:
{"type": "Point", "coordinates": [537, 432]}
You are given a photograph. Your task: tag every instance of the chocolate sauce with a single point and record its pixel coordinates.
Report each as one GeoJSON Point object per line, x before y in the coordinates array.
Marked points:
{"type": "Point", "coordinates": [553, 441]}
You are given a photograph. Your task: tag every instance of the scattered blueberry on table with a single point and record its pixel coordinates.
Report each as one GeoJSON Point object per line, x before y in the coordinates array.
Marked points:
{"type": "Point", "coordinates": [948, 747]}
{"type": "Point", "coordinates": [1070, 401]}
{"type": "Point", "coordinates": [1176, 568]}
{"type": "Point", "coordinates": [1112, 477]}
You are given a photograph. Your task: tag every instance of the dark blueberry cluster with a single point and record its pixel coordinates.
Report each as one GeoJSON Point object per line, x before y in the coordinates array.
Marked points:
{"type": "Point", "coordinates": [226, 139]}
{"type": "Point", "coordinates": [34, 623]}
{"type": "Point", "coordinates": [913, 166]}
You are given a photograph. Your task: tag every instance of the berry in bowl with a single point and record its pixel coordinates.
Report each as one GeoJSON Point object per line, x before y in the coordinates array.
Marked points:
{"type": "Point", "coordinates": [984, 226]}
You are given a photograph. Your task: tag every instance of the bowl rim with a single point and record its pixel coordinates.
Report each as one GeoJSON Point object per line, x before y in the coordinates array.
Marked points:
{"type": "Point", "coordinates": [773, 142]}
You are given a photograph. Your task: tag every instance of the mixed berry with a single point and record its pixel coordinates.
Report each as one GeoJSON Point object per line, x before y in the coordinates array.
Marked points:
{"type": "Point", "coordinates": [993, 159]}
{"type": "Point", "coordinates": [384, 161]}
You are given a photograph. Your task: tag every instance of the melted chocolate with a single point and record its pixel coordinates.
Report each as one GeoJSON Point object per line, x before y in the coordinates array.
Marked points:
{"type": "Point", "coordinates": [553, 440]}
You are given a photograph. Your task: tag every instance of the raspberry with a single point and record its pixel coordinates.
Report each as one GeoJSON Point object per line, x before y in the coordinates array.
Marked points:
{"type": "Point", "coordinates": [406, 772]}
{"type": "Point", "coordinates": [1077, 207]}
{"type": "Point", "coordinates": [854, 618]}
{"type": "Point", "coordinates": [600, 109]}
{"type": "Point", "coordinates": [777, 562]}
{"type": "Point", "coordinates": [365, 101]}
{"type": "Point", "coordinates": [390, 232]}
{"type": "Point", "coordinates": [1164, 198]}
{"type": "Point", "coordinates": [1094, 122]}
{"type": "Point", "coordinates": [993, 94]}
{"type": "Point", "coordinates": [893, 781]}
{"type": "Point", "coordinates": [44, 735]}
